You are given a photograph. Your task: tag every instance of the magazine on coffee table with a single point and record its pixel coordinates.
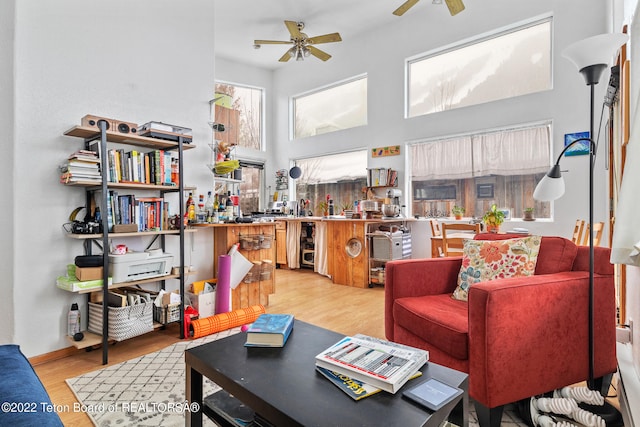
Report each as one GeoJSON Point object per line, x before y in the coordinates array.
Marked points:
{"type": "Point", "coordinates": [380, 363]}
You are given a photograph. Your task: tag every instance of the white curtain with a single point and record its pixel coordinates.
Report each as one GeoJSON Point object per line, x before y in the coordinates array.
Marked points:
{"type": "Point", "coordinates": [320, 249]}
{"type": "Point", "coordinates": [333, 167]}
{"type": "Point", "coordinates": [626, 236]}
{"type": "Point", "coordinates": [513, 152]}
{"type": "Point", "coordinates": [294, 229]}
{"type": "Point", "coordinates": [504, 152]}
{"type": "Point", "coordinates": [447, 159]}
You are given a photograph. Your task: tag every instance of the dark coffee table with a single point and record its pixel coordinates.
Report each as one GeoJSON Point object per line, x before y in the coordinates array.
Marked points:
{"type": "Point", "coordinates": [283, 387]}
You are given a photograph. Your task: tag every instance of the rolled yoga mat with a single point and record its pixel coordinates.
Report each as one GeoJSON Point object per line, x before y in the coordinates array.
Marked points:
{"type": "Point", "coordinates": [223, 288]}
{"type": "Point", "coordinates": [224, 321]}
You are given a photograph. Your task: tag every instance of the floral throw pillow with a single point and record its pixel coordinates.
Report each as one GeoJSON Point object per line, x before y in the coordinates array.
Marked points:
{"type": "Point", "coordinates": [484, 260]}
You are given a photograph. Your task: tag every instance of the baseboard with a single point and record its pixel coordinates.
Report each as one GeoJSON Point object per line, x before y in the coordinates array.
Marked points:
{"type": "Point", "coordinates": [54, 355]}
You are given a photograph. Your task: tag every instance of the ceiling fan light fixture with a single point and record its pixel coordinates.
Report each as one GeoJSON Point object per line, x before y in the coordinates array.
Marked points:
{"type": "Point", "coordinates": [299, 55]}
{"type": "Point", "coordinates": [292, 52]}
{"type": "Point", "coordinates": [306, 51]}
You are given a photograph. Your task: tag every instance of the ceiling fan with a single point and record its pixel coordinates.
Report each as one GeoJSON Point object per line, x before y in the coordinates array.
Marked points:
{"type": "Point", "coordinates": [303, 45]}
{"type": "Point", "coordinates": [455, 6]}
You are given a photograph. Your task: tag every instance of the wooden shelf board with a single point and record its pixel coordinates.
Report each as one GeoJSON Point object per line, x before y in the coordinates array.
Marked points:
{"type": "Point", "coordinates": [127, 138]}
{"type": "Point", "coordinates": [131, 186]}
{"type": "Point", "coordinates": [132, 234]}
{"type": "Point", "coordinates": [90, 339]}
{"type": "Point", "coordinates": [132, 283]}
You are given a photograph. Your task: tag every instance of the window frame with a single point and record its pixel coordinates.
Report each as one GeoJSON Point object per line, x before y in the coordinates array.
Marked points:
{"type": "Point", "coordinates": [263, 107]}
{"type": "Point", "coordinates": [464, 43]}
{"type": "Point", "coordinates": [292, 104]}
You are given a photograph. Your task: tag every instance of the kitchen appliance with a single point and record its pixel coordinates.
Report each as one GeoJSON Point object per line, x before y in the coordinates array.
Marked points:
{"type": "Point", "coordinates": [393, 194]}
{"type": "Point", "coordinates": [390, 211]}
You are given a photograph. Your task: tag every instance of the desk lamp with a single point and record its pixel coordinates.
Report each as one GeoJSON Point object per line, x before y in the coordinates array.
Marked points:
{"type": "Point", "coordinates": [591, 56]}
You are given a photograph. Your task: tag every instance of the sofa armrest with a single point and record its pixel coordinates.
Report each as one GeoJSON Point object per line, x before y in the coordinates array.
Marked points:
{"type": "Point", "coordinates": [529, 335]}
{"type": "Point", "coordinates": [417, 277]}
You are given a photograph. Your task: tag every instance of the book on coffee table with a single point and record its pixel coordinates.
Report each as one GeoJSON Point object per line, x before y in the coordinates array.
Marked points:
{"type": "Point", "coordinates": [355, 389]}
{"type": "Point", "coordinates": [380, 363]}
{"type": "Point", "coordinates": [270, 330]}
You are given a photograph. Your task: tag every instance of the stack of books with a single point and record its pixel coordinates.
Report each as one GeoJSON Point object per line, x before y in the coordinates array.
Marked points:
{"type": "Point", "coordinates": [81, 166]}
{"type": "Point", "coordinates": [362, 365]}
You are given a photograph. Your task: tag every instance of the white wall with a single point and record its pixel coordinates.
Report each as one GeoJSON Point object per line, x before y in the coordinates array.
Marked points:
{"type": "Point", "coordinates": [381, 55]}
{"type": "Point", "coordinates": [7, 27]}
{"type": "Point", "coordinates": [134, 61]}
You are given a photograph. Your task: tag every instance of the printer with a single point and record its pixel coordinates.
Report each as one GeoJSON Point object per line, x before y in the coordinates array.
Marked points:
{"type": "Point", "coordinates": [139, 265]}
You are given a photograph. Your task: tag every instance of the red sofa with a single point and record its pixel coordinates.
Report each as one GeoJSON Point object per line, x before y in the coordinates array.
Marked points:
{"type": "Point", "coordinates": [516, 337]}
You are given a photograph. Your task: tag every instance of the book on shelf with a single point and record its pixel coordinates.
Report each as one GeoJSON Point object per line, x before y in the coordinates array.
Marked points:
{"type": "Point", "coordinates": [380, 363]}
{"type": "Point", "coordinates": [270, 330]}
{"type": "Point", "coordinates": [353, 388]}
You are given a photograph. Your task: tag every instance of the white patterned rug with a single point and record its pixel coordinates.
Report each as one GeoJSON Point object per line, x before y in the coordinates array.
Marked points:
{"type": "Point", "coordinates": [145, 391]}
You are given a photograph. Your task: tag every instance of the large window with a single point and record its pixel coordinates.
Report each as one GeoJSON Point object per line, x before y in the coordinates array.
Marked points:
{"type": "Point", "coordinates": [239, 109]}
{"type": "Point", "coordinates": [341, 176]}
{"type": "Point", "coordinates": [498, 66]}
{"type": "Point", "coordinates": [478, 170]}
{"type": "Point", "coordinates": [337, 107]}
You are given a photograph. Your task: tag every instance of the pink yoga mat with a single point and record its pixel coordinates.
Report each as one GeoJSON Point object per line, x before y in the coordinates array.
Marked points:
{"type": "Point", "coordinates": [223, 287]}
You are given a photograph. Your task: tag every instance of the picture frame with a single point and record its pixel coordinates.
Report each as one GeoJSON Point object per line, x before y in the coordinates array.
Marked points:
{"type": "Point", "coordinates": [506, 212]}
{"type": "Point", "coordinates": [579, 149]}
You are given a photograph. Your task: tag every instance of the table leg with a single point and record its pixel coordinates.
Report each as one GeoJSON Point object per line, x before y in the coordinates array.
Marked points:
{"type": "Point", "coordinates": [193, 390]}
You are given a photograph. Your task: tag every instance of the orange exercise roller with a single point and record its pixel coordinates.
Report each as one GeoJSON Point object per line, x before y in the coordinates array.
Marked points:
{"type": "Point", "coordinates": [223, 321]}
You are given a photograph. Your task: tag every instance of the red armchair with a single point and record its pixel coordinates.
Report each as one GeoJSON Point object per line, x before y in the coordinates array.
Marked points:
{"type": "Point", "coordinates": [516, 337]}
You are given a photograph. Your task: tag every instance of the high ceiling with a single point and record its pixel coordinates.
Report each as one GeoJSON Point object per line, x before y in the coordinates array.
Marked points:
{"type": "Point", "coordinates": [240, 22]}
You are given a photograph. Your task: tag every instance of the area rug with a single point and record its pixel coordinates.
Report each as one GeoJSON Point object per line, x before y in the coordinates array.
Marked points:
{"type": "Point", "coordinates": [148, 391]}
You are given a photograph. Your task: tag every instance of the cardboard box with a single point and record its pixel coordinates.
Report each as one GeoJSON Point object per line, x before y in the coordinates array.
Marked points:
{"type": "Point", "coordinates": [166, 298]}
{"type": "Point", "coordinates": [204, 303]}
{"type": "Point", "coordinates": [88, 273]}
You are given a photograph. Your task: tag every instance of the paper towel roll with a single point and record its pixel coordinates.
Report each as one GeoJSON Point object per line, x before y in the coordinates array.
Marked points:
{"type": "Point", "coordinates": [223, 289]}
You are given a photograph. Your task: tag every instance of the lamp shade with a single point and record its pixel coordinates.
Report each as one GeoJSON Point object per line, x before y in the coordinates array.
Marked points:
{"type": "Point", "coordinates": [549, 189]}
{"type": "Point", "coordinates": [596, 50]}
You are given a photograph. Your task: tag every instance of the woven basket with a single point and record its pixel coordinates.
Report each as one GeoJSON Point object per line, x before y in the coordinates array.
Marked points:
{"type": "Point", "coordinates": [124, 322]}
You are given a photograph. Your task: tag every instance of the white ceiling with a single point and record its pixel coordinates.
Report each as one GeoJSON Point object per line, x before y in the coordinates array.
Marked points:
{"type": "Point", "coordinates": [240, 22]}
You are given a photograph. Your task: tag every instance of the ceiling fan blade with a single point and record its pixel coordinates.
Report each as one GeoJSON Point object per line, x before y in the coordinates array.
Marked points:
{"type": "Point", "coordinates": [271, 42]}
{"type": "Point", "coordinates": [455, 6]}
{"type": "Point", "coordinates": [292, 26]}
{"type": "Point", "coordinates": [285, 57]}
{"type": "Point", "coordinates": [327, 38]}
{"type": "Point", "coordinates": [318, 53]}
{"type": "Point", "coordinates": [404, 7]}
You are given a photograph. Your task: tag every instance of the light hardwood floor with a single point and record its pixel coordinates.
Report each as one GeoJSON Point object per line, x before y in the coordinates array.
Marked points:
{"type": "Point", "coordinates": [309, 296]}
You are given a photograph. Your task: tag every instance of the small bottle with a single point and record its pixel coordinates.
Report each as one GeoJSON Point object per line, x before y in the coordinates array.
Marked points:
{"type": "Point", "coordinates": [175, 176]}
{"type": "Point", "coordinates": [229, 206]}
{"type": "Point", "coordinates": [208, 207]}
{"type": "Point", "coordinates": [330, 207]}
{"type": "Point", "coordinates": [216, 210]}
{"type": "Point", "coordinates": [191, 209]}
{"type": "Point", "coordinates": [201, 215]}
{"type": "Point", "coordinates": [73, 320]}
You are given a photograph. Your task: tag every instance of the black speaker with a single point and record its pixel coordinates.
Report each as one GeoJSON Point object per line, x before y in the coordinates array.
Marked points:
{"type": "Point", "coordinates": [89, 261]}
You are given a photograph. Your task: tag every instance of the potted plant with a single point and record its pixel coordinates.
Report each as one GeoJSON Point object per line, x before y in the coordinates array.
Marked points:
{"type": "Point", "coordinates": [324, 208]}
{"type": "Point", "coordinates": [528, 214]}
{"type": "Point", "coordinates": [457, 211]}
{"type": "Point", "coordinates": [493, 218]}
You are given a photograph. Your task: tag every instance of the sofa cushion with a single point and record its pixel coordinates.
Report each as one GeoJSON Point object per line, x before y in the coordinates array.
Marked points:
{"type": "Point", "coordinates": [438, 320]}
{"type": "Point", "coordinates": [557, 254]}
{"type": "Point", "coordinates": [485, 260]}
{"type": "Point", "coordinates": [22, 390]}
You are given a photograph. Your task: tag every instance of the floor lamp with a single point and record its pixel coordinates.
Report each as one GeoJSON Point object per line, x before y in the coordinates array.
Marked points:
{"type": "Point", "coordinates": [592, 57]}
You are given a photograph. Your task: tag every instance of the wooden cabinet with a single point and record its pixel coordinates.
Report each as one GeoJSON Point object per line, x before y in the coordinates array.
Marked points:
{"type": "Point", "coordinates": [347, 264]}
{"type": "Point", "coordinates": [281, 242]}
{"type": "Point", "coordinates": [257, 289]}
